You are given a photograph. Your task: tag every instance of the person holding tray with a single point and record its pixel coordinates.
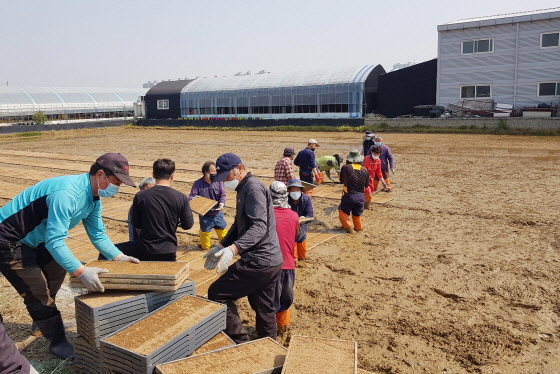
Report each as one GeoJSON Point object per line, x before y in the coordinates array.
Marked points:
{"type": "Point", "coordinates": [34, 257]}
{"type": "Point", "coordinates": [214, 218]}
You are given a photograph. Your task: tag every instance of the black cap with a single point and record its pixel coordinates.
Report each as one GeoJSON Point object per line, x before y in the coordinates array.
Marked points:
{"type": "Point", "coordinates": [224, 164]}
{"type": "Point", "coordinates": [118, 165]}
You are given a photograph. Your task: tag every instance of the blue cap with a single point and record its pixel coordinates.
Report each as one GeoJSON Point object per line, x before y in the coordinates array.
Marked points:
{"type": "Point", "coordinates": [224, 164]}
{"type": "Point", "coordinates": [295, 183]}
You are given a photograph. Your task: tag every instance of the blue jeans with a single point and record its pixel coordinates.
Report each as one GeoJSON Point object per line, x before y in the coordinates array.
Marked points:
{"type": "Point", "coordinates": [209, 222]}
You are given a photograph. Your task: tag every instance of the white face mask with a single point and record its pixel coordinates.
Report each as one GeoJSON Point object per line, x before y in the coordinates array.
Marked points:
{"type": "Point", "coordinates": [295, 195]}
{"type": "Point", "coordinates": [374, 157]}
{"type": "Point", "coordinates": [231, 185]}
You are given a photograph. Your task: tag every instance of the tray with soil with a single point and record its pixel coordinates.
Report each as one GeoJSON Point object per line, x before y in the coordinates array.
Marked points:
{"type": "Point", "coordinates": [258, 356]}
{"type": "Point", "coordinates": [201, 205]}
{"type": "Point", "coordinates": [308, 355]}
{"type": "Point", "coordinates": [219, 341]}
{"type": "Point", "coordinates": [101, 314]}
{"type": "Point", "coordinates": [169, 333]}
{"type": "Point", "coordinates": [146, 276]}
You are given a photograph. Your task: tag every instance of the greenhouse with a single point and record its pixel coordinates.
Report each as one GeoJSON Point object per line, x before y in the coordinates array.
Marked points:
{"type": "Point", "coordinates": [18, 104]}
{"type": "Point", "coordinates": [335, 93]}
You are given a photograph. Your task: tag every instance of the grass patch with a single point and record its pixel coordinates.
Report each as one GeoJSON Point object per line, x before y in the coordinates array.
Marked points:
{"type": "Point", "coordinates": [29, 134]}
{"type": "Point", "coordinates": [56, 366]}
{"type": "Point", "coordinates": [502, 129]}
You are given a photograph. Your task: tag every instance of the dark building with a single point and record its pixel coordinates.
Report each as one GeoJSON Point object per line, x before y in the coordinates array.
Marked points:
{"type": "Point", "coordinates": [164, 99]}
{"type": "Point", "coordinates": [399, 91]}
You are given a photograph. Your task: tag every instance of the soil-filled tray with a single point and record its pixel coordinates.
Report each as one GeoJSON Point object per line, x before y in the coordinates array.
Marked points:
{"type": "Point", "coordinates": [219, 341]}
{"type": "Point", "coordinates": [174, 331]}
{"type": "Point", "coordinates": [156, 300]}
{"type": "Point", "coordinates": [144, 270]}
{"type": "Point", "coordinates": [257, 356]}
{"type": "Point", "coordinates": [308, 355]}
{"type": "Point", "coordinates": [201, 205]}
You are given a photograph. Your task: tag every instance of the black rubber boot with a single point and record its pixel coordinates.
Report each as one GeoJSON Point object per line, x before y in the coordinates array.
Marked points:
{"type": "Point", "coordinates": [53, 330]}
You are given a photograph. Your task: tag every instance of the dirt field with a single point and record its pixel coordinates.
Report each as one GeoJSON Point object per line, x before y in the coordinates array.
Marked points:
{"type": "Point", "coordinates": [458, 273]}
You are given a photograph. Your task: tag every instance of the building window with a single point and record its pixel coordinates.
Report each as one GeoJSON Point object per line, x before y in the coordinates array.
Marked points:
{"type": "Point", "coordinates": [477, 46]}
{"type": "Point", "coordinates": [549, 89]}
{"type": "Point", "coordinates": [475, 91]}
{"type": "Point", "coordinates": [550, 39]}
{"type": "Point", "coordinates": [163, 104]}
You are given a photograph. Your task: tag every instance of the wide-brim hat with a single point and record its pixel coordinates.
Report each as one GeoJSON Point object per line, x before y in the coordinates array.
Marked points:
{"type": "Point", "coordinates": [224, 164]}
{"type": "Point", "coordinates": [355, 157]}
{"type": "Point", "coordinates": [313, 141]}
{"type": "Point", "coordinates": [118, 165]}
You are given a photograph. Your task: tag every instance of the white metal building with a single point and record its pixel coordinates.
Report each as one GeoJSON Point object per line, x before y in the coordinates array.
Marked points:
{"type": "Point", "coordinates": [512, 59]}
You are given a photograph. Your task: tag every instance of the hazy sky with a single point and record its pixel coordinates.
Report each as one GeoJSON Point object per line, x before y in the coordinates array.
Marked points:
{"type": "Point", "coordinates": [117, 43]}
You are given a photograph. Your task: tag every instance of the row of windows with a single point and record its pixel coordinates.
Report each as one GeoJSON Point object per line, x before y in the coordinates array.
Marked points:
{"type": "Point", "coordinates": [479, 91]}
{"type": "Point", "coordinates": [548, 40]}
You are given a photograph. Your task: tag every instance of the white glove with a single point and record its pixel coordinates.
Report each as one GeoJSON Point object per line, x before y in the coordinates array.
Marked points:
{"type": "Point", "coordinates": [211, 260]}
{"type": "Point", "coordinates": [220, 206]}
{"type": "Point", "coordinates": [384, 184]}
{"type": "Point", "coordinates": [90, 278]}
{"type": "Point", "coordinates": [225, 255]}
{"type": "Point", "coordinates": [393, 170]}
{"type": "Point", "coordinates": [126, 258]}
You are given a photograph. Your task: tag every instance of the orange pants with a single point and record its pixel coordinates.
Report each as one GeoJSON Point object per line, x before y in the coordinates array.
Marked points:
{"type": "Point", "coordinates": [347, 222]}
{"type": "Point", "coordinates": [300, 250]}
{"type": "Point", "coordinates": [283, 318]}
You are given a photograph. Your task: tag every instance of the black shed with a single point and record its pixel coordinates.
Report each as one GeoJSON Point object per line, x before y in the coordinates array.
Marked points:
{"type": "Point", "coordinates": [399, 91]}
{"type": "Point", "coordinates": [164, 99]}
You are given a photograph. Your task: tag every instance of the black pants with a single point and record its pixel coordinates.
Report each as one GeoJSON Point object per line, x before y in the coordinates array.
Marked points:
{"type": "Point", "coordinates": [133, 249]}
{"type": "Point", "coordinates": [258, 283]}
{"type": "Point", "coordinates": [35, 275]}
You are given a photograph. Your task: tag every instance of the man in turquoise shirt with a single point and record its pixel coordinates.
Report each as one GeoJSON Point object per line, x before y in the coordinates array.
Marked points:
{"type": "Point", "coordinates": [34, 257]}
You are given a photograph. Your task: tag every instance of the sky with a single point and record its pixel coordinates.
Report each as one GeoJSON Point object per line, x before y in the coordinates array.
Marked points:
{"type": "Point", "coordinates": [125, 43]}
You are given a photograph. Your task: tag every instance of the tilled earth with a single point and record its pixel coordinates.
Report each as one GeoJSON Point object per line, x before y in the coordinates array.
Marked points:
{"type": "Point", "coordinates": [457, 274]}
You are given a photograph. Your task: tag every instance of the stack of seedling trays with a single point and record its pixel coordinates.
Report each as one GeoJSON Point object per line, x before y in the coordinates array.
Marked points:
{"type": "Point", "coordinates": [169, 333]}
{"type": "Point", "coordinates": [262, 356]}
{"type": "Point", "coordinates": [157, 299]}
{"type": "Point", "coordinates": [308, 355]}
{"type": "Point", "coordinates": [145, 276]}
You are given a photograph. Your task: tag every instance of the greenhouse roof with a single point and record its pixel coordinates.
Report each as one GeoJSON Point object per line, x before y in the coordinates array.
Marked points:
{"type": "Point", "coordinates": [353, 74]}
{"type": "Point", "coordinates": [13, 95]}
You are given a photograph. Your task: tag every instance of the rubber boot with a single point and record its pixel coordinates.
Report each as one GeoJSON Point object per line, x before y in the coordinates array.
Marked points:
{"type": "Point", "coordinates": [301, 250]}
{"type": "Point", "coordinates": [357, 223]}
{"type": "Point", "coordinates": [35, 331]}
{"type": "Point", "coordinates": [388, 181]}
{"type": "Point", "coordinates": [205, 242]}
{"type": "Point", "coordinates": [221, 233]}
{"type": "Point", "coordinates": [282, 321]}
{"type": "Point", "coordinates": [345, 221]}
{"type": "Point", "coordinates": [375, 185]}
{"type": "Point", "coordinates": [53, 330]}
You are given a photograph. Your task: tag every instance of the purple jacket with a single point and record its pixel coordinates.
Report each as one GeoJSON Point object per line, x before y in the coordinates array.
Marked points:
{"type": "Point", "coordinates": [214, 191]}
{"type": "Point", "coordinates": [386, 158]}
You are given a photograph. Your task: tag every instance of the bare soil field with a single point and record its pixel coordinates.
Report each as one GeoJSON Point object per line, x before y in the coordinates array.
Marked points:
{"type": "Point", "coordinates": [459, 273]}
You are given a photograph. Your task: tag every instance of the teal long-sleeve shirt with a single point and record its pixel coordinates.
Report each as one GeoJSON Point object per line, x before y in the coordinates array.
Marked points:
{"type": "Point", "coordinates": [44, 213]}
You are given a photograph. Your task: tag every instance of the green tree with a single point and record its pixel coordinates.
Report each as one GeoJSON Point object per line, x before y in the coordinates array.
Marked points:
{"type": "Point", "coordinates": [39, 118]}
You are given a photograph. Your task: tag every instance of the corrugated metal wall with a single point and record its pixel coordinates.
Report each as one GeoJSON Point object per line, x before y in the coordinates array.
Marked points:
{"type": "Point", "coordinates": [534, 64]}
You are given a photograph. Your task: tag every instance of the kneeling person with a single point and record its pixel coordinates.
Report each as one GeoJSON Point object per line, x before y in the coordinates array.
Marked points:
{"type": "Point", "coordinates": [156, 213]}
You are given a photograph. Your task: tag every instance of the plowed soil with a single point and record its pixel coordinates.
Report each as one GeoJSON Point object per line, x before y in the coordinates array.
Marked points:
{"type": "Point", "coordinates": [457, 274]}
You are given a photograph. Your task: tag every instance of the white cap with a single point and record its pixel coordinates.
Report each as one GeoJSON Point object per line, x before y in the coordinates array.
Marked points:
{"type": "Point", "coordinates": [313, 141]}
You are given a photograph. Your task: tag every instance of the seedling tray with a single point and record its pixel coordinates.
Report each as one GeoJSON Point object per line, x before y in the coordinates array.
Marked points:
{"type": "Point", "coordinates": [258, 356]}
{"type": "Point", "coordinates": [308, 355]}
{"type": "Point", "coordinates": [169, 333]}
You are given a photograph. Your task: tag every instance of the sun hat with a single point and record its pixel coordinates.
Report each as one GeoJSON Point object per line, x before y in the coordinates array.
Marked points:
{"type": "Point", "coordinates": [355, 157]}
{"type": "Point", "coordinates": [279, 193]}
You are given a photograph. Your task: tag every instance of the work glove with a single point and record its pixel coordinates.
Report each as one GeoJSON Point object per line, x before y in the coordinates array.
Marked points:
{"type": "Point", "coordinates": [332, 179]}
{"type": "Point", "coordinates": [225, 255]}
{"type": "Point", "coordinates": [126, 258]}
{"type": "Point", "coordinates": [384, 184]}
{"type": "Point", "coordinates": [211, 260]}
{"type": "Point", "coordinates": [393, 170]}
{"type": "Point", "coordinates": [220, 206]}
{"type": "Point", "coordinates": [90, 279]}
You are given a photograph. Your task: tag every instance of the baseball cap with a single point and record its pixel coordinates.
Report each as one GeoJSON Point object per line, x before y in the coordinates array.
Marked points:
{"type": "Point", "coordinates": [288, 151]}
{"type": "Point", "coordinates": [224, 164]}
{"type": "Point", "coordinates": [313, 141]}
{"type": "Point", "coordinates": [118, 165]}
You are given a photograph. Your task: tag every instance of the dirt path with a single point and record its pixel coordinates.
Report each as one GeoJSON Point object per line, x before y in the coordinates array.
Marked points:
{"type": "Point", "coordinates": [458, 273]}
